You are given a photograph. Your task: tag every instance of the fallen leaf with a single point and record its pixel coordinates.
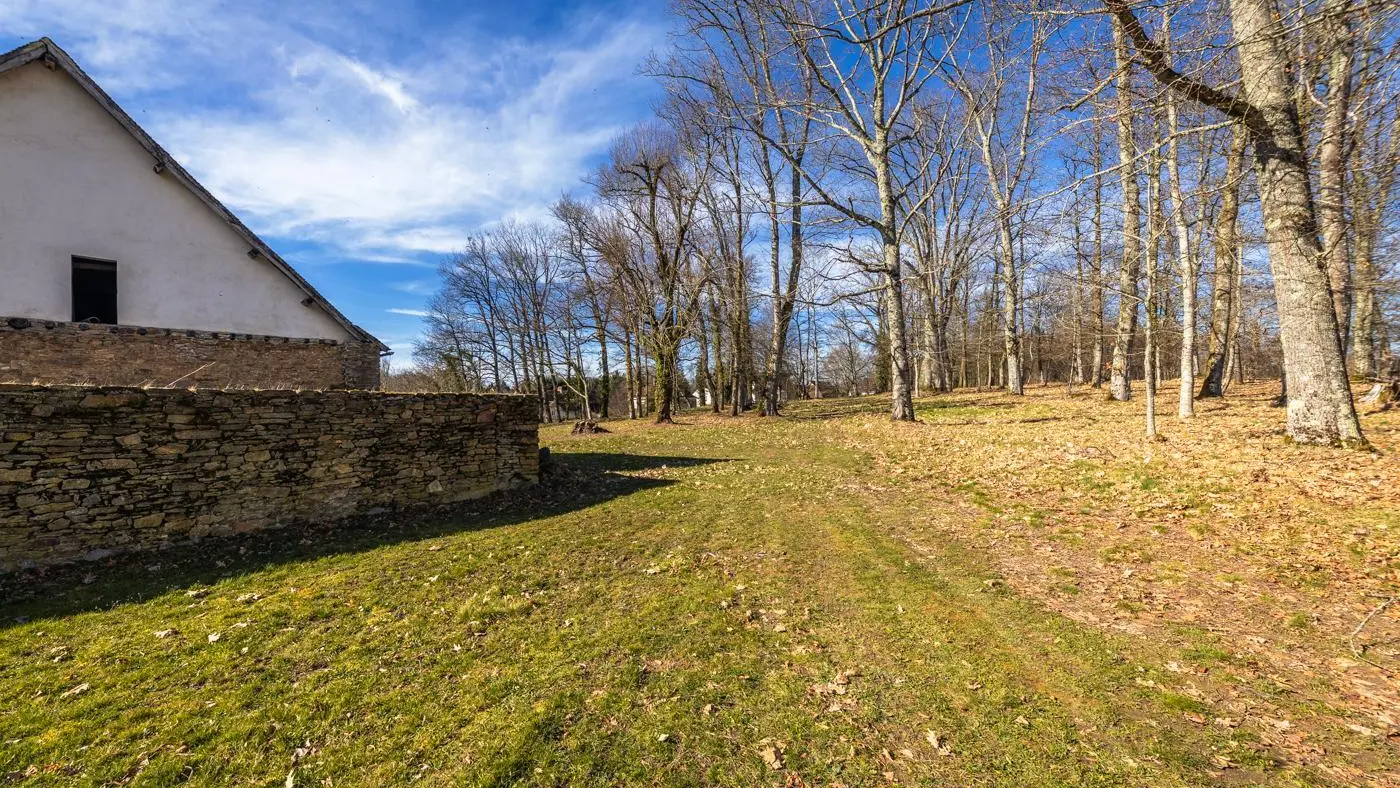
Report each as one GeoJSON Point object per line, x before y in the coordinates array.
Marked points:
{"type": "Point", "coordinates": [78, 690]}
{"type": "Point", "coordinates": [1222, 762]}
{"type": "Point", "coordinates": [773, 757]}
{"type": "Point", "coordinates": [938, 744]}
{"type": "Point", "coordinates": [214, 638]}
{"type": "Point", "coordinates": [1361, 729]}
{"type": "Point", "coordinates": [1227, 722]}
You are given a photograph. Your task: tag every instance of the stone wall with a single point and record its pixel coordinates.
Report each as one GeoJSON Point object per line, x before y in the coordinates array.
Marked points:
{"type": "Point", "coordinates": [49, 352]}
{"type": "Point", "coordinates": [85, 472]}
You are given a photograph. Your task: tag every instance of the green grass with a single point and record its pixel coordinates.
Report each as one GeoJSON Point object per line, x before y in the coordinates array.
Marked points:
{"type": "Point", "coordinates": [689, 597]}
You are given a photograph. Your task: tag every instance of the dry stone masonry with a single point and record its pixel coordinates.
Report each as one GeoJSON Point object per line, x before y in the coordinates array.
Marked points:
{"type": "Point", "coordinates": [87, 472]}
{"type": "Point", "coordinates": [51, 352]}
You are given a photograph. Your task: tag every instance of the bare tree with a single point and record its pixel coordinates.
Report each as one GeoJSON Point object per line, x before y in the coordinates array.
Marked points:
{"type": "Point", "coordinates": [1000, 94]}
{"type": "Point", "coordinates": [868, 62]}
{"type": "Point", "coordinates": [579, 248]}
{"type": "Point", "coordinates": [655, 189]}
{"type": "Point", "coordinates": [944, 230]}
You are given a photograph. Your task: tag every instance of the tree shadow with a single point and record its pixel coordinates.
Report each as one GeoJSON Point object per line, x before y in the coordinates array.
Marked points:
{"type": "Point", "coordinates": [571, 482]}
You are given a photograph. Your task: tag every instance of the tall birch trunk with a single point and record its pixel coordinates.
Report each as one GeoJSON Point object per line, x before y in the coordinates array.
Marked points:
{"type": "Point", "coordinates": [1332, 163]}
{"type": "Point", "coordinates": [1149, 368]}
{"type": "Point", "coordinates": [1185, 253]}
{"type": "Point", "coordinates": [1121, 385]}
{"type": "Point", "coordinates": [1096, 262]}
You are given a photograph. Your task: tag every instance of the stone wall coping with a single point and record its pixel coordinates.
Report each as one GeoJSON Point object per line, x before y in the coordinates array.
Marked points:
{"type": "Point", "coordinates": [58, 388]}
{"type": "Point", "coordinates": [36, 324]}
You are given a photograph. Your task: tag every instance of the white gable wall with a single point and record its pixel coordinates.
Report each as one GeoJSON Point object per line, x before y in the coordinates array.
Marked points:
{"type": "Point", "coordinates": [74, 182]}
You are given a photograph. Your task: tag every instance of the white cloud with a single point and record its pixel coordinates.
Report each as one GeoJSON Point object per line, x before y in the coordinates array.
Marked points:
{"type": "Point", "coordinates": [418, 287]}
{"type": "Point", "coordinates": [409, 312]}
{"type": "Point", "coordinates": [386, 86]}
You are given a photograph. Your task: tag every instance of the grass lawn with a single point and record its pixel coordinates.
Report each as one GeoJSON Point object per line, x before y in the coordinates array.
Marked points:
{"type": "Point", "coordinates": [817, 600]}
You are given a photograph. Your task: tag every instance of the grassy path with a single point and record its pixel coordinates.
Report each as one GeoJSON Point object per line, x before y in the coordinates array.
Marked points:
{"type": "Point", "coordinates": [715, 604]}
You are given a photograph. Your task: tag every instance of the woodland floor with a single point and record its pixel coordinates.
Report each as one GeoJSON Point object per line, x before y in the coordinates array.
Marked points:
{"type": "Point", "coordinates": [1013, 591]}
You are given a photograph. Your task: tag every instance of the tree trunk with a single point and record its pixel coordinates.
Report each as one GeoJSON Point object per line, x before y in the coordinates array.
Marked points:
{"type": "Point", "coordinates": [704, 380]}
{"type": "Point", "coordinates": [1096, 265]}
{"type": "Point", "coordinates": [784, 299]}
{"type": "Point", "coordinates": [1156, 232]}
{"type": "Point", "coordinates": [1149, 370]}
{"type": "Point", "coordinates": [1320, 408]}
{"type": "Point", "coordinates": [1224, 300]}
{"type": "Point", "coordinates": [1187, 265]}
{"type": "Point", "coordinates": [1121, 384]}
{"type": "Point", "coordinates": [663, 392]}
{"type": "Point", "coordinates": [901, 399]}
{"type": "Point", "coordinates": [1077, 373]}
{"type": "Point", "coordinates": [633, 375]}
{"type": "Point", "coordinates": [1363, 333]}
{"type": "Point", "coordinates": [717, 369]}
{"type": "Point", "coordinates": [1010, 308]}
{"type": "Point", "coordinates": [1332, 163]}
{"type": "Point", "coordinates": [1371, 191]}
{"type": "Point", "coordinates": [1234, 366]}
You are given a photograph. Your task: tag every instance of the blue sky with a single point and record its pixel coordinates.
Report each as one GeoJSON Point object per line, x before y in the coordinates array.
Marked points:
{"type": "Point", "coordinates": [364, 139]}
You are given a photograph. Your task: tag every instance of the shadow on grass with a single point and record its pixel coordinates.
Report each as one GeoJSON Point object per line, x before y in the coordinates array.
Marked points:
{"type": "Point", "coordinates": [573, 481]}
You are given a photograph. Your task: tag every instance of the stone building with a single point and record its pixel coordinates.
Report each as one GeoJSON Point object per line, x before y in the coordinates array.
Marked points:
{"type": "Point", "coordinates": [118, 268]}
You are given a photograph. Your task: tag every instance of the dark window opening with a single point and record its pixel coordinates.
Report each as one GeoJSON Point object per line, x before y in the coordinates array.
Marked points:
{"type": "Point", "coordinates": [94, 291]}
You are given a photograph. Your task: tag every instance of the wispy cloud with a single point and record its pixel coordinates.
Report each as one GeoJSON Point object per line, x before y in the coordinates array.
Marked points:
{"type": "Point", "coordinates": [415, 286]}
{"type": "Point", "coordinates": [409, 312]}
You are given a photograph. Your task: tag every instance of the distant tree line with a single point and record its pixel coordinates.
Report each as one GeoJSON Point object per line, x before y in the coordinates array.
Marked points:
{"type": "Point", "coordinates": [846, 197]}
